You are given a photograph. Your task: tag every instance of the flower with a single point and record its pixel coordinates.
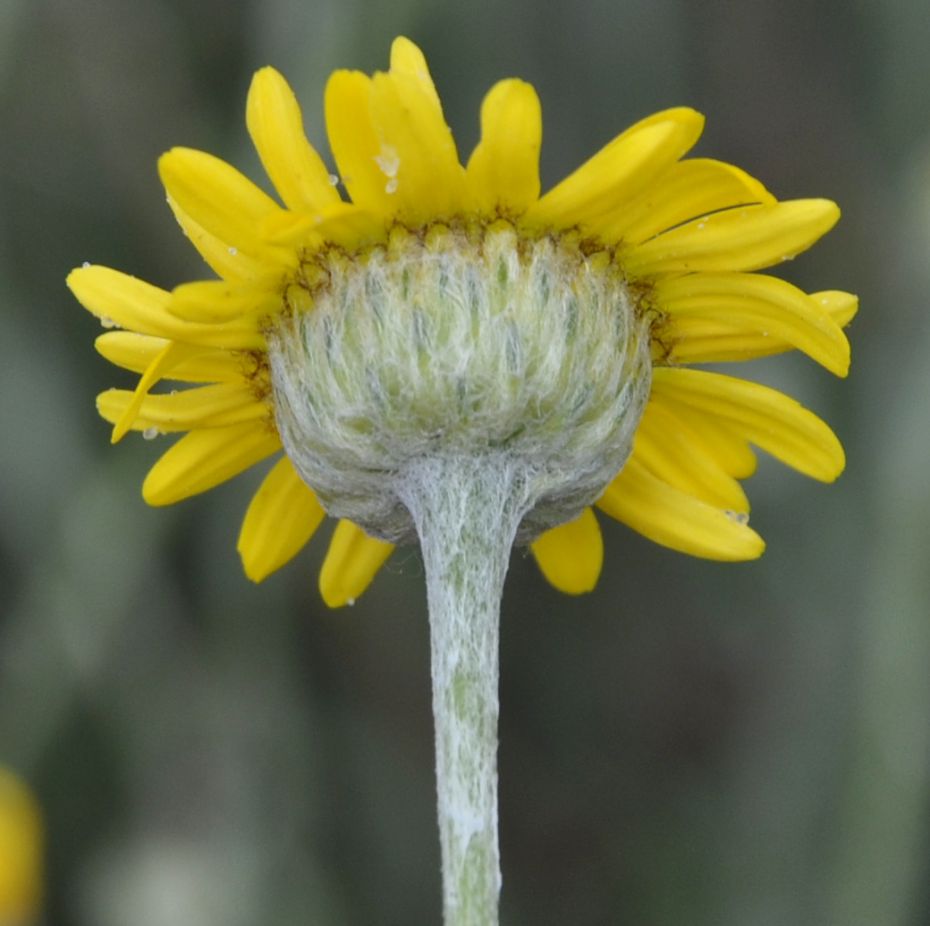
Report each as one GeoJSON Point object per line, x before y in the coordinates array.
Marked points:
{"type": "Point", "coordinates": [20, 851]}
{"type": "Point", "coordinates": [674, 242]}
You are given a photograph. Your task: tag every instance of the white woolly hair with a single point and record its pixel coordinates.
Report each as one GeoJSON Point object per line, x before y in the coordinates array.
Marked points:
{"type": "Point", "coordinates": [455, 344]}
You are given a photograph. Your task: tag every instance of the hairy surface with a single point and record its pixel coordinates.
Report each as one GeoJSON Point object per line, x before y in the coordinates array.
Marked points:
{"type": "Point", "coordinates": [462, 343]}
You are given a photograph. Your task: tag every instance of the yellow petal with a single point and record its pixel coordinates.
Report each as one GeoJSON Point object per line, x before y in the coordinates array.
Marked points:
{"type": "Point", "coordinates": [408, 59]}
{"type": "Point", "coordinates": [169, 356]}
{"type": "Point", "coordinates": [277, 129]}
{"type": "Point", "coordinates": [222, 201]}
{"type": "Point", "coordinates": [697, 341]}
{"type": "Point", "coordinates": [767, 418]}
{"type": "Point", "coordinates": [119, 299]}
{"type": "Point", "coordinates": [686, 190]}
{"type": "Point", "coordinates": [354, 142]}
{"type": "Point", "coordinates": [387, 133]}
{"type": "Point", "coordinates": [352, 561]}
{"type": "Point", "coordinates": [730, 450]}
{"type": "Point", "coordinates": [746, 238]}
{"type": "Point", "coordinates": [216, 406]}
{"type": "Point", "coordinates": [692, 340]}
{"type": "Point", "coordinates": [417, 157]}
{"type": "Point", "coordinates": [840, 306]}
{"type": "Point", "coordinates": [135, 352]}
{"type": "Point", "coordinates": [503, 171]}
{"type": "Point", "coordinates": [282, 516]}
{"type": "Point", "coordinates": [203, 459]}
{"type": "Point", "coordinates": [219, 301]}
{"type": "Point", "coordinates": [407, 114]}
{"type": "Point", "coordinates": [761, 304]}
{"type": "Point", "coordinates": [21, 851]}
{"type": "Point", "coordinates": [674, 452]}
{"type": "Point", "coordinates": [619, 171]}
{"type": "Point", "coordinates": [223, 258]}
{"type": "Point", "coordinates": [571, 555]}
{"type": "Point", "coordinates": [344, 224]}
{"type": "Point", "coordinates": [674, 519]}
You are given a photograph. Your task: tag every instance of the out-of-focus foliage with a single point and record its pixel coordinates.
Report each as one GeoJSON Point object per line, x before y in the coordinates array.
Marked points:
{"type": "Point", "coordinates": [693, 743]}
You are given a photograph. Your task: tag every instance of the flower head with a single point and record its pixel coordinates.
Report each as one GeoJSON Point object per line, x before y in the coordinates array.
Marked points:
{"type": "Point", "coordinates": [441, 305]}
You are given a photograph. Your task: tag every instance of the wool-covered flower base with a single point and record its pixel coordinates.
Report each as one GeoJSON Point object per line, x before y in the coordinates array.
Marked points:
{"type": "Point", "coordinates": [673, 244]}
{"type": "Point", "coordinates": [465, 341]}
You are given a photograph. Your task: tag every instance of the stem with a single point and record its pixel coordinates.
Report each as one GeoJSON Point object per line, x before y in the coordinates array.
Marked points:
{"type": "Point", "coordinates": [466, 511]}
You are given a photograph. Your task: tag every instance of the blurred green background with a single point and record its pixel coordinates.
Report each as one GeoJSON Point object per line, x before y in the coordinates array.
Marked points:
{"type": "Point", "coordinates": [692, 743]}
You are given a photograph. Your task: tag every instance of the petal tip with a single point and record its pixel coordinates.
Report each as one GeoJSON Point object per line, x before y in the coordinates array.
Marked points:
{"type": "Point", "coordinates": [749, 546]}
{"type": "Point", "coordinates": [832, 212]}
{"type": "Point", "coordinates": [254, 571]}
{"type": "Point", "coordinates": [152, 494]}
{"type": "Point", "coordinates": [71, 280]}
{"type": "Point", "coordinates": [757, 548]}
{"type": "Point", "coordinates": [266, 73]}
{"type": "Point", "coordinates": [332, 594]}
{"type": "Point", "coordinates": [172, 160]}
{"type": "Point", "coordinates": [266, 80]}
{"type": "Point", "coordinates": [404, 51]}
{"type": "Point", "coordinates": [82, 277]}
{"type": "Point", "coordinates": [839, 466]}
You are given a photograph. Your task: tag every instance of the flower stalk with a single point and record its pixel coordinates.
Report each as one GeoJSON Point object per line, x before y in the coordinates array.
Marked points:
{"type": "Point", "coordinates": [467, 511]}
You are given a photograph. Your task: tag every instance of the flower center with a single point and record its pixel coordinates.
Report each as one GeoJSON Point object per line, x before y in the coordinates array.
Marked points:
{"type": "Point", "coordinates": [466, 344]}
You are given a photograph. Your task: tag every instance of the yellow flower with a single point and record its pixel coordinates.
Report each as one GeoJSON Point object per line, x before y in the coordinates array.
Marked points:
{"type": "Point", "coordinates": [20, 852]}
{"type": "Point", "coordinates": [681, 238]}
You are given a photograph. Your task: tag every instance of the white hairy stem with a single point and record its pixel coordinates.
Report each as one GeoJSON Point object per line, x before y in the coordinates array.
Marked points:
{"type": "Point", "coordinates": [467, 511]}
